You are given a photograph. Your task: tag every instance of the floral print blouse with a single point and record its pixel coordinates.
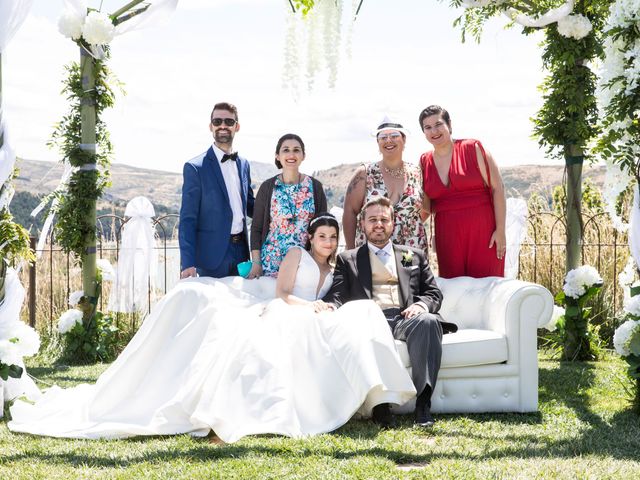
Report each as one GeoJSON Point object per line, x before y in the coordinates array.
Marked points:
{"type": "Point", "coordinates": [292, 208]}
{"type": "Point", "coordinates": [409, 228]}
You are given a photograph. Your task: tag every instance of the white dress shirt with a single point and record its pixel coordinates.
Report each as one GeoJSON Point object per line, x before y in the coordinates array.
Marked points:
{"type": "Point", "coordinates": [232, 181]}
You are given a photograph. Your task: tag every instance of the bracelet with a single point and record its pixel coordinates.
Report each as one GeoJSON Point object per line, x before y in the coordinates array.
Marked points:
{"type": "Point", "coordinates": [256, 262]}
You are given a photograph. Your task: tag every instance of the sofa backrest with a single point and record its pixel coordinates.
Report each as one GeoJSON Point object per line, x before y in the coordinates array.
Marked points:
{"type": "Point", "coordinates": [465, 300]}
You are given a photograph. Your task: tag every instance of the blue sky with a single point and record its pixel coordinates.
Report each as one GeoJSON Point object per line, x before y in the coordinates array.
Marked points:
{"type": "Point", "coordinates": [405, 55]}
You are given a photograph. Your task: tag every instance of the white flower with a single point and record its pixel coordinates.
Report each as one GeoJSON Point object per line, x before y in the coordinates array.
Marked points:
{"type": "Point", "coordinates": [75, 297]}
{"type": "Point", "coordinates": [574, 26]}
{"type": "Point", "coordinates": [108, 273]}
{"type": "Point", "coordinates": [98, 28]}
{"type": "Point", "coordinates": [9, 354]}
{"type": "Point", "coordinates": [70, 25]}
{"type": "Point", "coordinates": [555, 316]}
{"type": "Point", "coordinates": [579, 280]}
{"type": "Point", "coordinates": [69, 319]}
{"type": "Point", "coordinates": [24, 340]}
{"type": "Point", "coordinates": [623, 336]}
{"type": "Point", "coordinates": [28, 339]}
{"type": "Point", "coordinates": [633, 306]}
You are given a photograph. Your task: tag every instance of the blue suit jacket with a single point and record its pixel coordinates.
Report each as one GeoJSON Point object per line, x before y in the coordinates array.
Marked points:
{"type": "Point", "coordinates": [205, 213]}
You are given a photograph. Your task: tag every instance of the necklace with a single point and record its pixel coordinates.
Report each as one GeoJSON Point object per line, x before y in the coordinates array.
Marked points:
{"type": "Point", "coordinates": [397, 172]}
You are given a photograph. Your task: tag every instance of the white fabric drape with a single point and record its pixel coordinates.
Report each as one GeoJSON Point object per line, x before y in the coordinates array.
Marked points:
{"type": "Point", "coordinates": [543, 20]}
{"type": "Point", "coordinates": [138, 260]}
{"type": "Point", "coordinates": [634, 227]}
{"type": "Point", "coordinates": [516, 231]}
{"type": "Point", "coordinates": [10, 327]}
{"type": "Point", "coordinates": [157, 13]}
{"type": "Point", "coordinates": [12, 14]}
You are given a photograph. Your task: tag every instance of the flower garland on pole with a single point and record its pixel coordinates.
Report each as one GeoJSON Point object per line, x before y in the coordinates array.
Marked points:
{"type": "Point", "coordinates": [83, 140]}
{"type": "Point", "coordinates": [580, 285]}
{"type": "Point", "coordinates": [619, 97]}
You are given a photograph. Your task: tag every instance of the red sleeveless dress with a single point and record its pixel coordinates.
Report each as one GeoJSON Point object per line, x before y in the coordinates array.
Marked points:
{"type": "Point", "coordinates": [463, 214]}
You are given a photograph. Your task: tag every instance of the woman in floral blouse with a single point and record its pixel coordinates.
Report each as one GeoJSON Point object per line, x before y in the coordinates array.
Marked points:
{"type": "Point", "coordinates": [284, 206]}
{"type": "Point", "coordinates": [391, 177]}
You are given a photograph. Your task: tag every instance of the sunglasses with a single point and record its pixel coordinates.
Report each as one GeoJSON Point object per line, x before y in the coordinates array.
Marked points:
{"type": "Point", "coordinates": [389, 136]}
{"type": "Point", "coordinates": [229, 122]}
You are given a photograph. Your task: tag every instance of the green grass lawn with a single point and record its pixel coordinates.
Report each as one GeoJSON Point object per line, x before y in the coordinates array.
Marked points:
{"type": "Point", "coordinates": [584, 429]}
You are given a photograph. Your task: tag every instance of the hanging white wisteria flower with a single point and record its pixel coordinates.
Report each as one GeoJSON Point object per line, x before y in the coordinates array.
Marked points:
{"type": "Point", "coordinates": [314, 42]}
{"type": "Point", "coordinates": [70, 24]}
{"type": "Point", "coordinates": [98, 28]}
{"type": "Point", "coordinates": [616, 181]}
{"type": "Point", "coordinates": [574, 26]}
{"type": "Point", "coordinates": [626, 338]}
{"type": "Point", "coordinates": [579, 280]}
{"type": "Point", "coordinates": [69, 319]}
{"type": "Point", "coordinates": [558, 313]}
{"type": "Point", "coordinates": [74, 298]}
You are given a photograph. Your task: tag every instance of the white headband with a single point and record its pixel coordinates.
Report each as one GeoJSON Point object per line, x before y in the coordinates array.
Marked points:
{"type": "Point", "coordinates": [322, 216]}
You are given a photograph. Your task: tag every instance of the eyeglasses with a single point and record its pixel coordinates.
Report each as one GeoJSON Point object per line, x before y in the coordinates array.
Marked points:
{"type": "Point", "coordinates": [229, 122]}
{"type": "Point", "coordinates": [389, 136]}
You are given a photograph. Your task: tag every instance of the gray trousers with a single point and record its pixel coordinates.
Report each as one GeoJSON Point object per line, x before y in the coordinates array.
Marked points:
{"type": "Point", "coordinates": [423, 336]}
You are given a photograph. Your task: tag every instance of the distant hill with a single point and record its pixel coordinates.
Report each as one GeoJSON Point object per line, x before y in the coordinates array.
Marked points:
{"type": "Point", "coordinates": [37, 179]}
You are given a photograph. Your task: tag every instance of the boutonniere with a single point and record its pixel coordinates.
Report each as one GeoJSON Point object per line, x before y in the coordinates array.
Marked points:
{"type": "Point", "coordinates": [407, 258]}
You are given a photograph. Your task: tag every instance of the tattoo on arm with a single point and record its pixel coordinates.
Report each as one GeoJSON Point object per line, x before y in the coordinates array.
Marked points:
{"type": "Point", "coordinates": [355, 181]}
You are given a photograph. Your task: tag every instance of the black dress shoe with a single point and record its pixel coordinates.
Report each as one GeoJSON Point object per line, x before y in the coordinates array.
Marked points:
{"type": "Point", "coordinates": [423, 417]}
{"type": "Point", "coordinates": [381, 415]}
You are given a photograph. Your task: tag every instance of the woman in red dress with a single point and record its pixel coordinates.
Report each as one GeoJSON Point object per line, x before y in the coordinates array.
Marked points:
{"type": "Point", "coordinates": [464, 192]}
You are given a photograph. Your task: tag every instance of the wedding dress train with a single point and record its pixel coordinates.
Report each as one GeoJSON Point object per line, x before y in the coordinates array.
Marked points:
{"type": "Point", "coordinates": [221, 355]}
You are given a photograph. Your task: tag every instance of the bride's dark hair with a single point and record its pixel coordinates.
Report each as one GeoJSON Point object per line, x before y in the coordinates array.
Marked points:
{"type": "Point", "coordinates": [322, 219]}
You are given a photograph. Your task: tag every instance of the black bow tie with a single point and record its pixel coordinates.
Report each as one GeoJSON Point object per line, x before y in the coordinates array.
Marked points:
{"type": "Point", "coordinates": [229, 156]}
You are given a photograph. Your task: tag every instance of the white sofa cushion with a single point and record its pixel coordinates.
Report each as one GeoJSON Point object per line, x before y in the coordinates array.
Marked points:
{"type": "Point", "coordinates": [466, 347]}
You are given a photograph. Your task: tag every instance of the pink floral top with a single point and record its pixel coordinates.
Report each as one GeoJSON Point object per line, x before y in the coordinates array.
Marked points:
{"type": "Point", "coordinates": [292, 209]}
{"type": "Point", "coordinates": [409, 229]}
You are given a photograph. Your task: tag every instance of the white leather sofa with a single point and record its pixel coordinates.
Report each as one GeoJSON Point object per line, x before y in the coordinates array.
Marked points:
{"type": "Point", "coordinates": [491, 363]}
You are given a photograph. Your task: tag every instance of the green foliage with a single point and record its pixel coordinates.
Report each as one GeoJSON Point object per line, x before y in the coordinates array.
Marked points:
{"type": "Point", "coordinates": [73, 227]}
{"type": "Point", "coordinates": [14, 239]}
{"type": "Point", "coordinates": [592, 200]}
{"type": "Point", "coordinates": [304, 5]}
{"type": "Point", "coordinates": [13, 371]}
{"type": "Point", "coordinates": [568, 118]}
{"type": "Point", "coordinates": [93, 342]}
{"type": "Point", "coordinates": [14, 245]}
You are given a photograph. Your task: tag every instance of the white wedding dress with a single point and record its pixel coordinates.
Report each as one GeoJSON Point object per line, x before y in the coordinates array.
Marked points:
{"type": "Point", "coordinates": [219, 354]}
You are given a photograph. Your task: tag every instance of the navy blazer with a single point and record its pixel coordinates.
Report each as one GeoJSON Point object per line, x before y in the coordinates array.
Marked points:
{"type": "Point", "coordinates": [205, 214]}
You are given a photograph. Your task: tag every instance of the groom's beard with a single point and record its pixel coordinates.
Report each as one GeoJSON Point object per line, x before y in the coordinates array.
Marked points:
{"type": "Point", "coordinates": [223, 137]}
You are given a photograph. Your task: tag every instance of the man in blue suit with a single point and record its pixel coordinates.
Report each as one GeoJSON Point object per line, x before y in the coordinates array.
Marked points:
{"type": "Point", "coordinates": [216, 200]}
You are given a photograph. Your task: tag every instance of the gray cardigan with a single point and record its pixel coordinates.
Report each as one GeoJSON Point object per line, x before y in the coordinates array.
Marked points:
{"type": "Point", "coordinates": [262, 209]}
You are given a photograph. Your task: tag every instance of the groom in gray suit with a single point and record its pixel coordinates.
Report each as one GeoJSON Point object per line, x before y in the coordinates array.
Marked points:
{"type": "Point", "coordinates": [399, 280]}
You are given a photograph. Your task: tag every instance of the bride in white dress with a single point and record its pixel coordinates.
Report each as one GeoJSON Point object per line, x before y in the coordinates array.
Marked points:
{"type": "Point", "coordinates": [221, 355]}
